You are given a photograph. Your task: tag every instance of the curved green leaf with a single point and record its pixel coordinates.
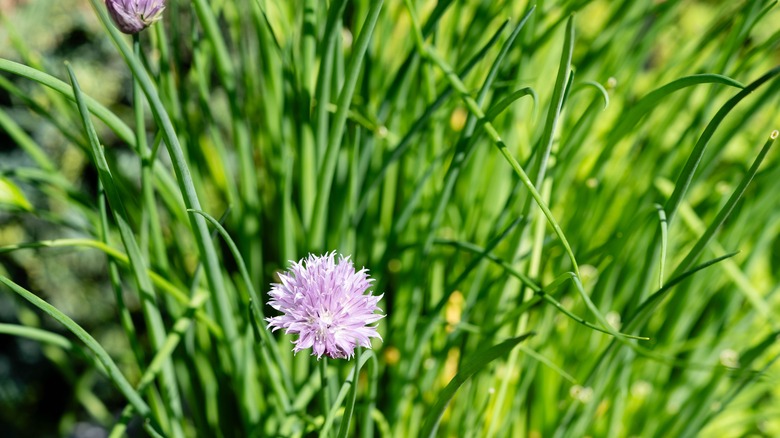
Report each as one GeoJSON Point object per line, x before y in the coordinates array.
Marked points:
{"type": "Point", "coordinates": [110, 119]}
{"type": "Point", "coordinates": [114, 374]}
{"type": "Point", "coordinates": [686, 175]}
{"type": "Point", "coordinates": [501, 105]}
{"type": "Point", "coordinates": [652, 99]}
{"type": "Point", "coordinates": [600, 88]}
{"type": "Point", "coordinates": [12, 196]}
{"type": "Point", "coordinates": [160, 282]}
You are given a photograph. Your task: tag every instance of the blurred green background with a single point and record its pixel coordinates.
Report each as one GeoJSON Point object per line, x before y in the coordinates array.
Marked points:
{"type": "Point", "coordinates": [603, 196]}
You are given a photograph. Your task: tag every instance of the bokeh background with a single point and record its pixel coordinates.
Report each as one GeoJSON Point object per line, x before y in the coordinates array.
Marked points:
{"type": "Point", "coordinates": [603, 196]}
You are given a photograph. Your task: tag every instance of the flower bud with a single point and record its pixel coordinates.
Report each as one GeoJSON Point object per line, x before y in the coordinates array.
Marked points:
{"type": "Point", "coordinates": [133, 16]}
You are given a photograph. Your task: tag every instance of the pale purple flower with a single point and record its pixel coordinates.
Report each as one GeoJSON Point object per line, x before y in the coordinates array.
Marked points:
{"type": "Point", "coordinates": [324, 303]}
{"type": "Point", "coordinates": [133, 16]}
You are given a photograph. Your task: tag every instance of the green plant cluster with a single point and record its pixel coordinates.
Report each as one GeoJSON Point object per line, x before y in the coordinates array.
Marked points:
{"type": "Point", "coordinates": [571, 208]}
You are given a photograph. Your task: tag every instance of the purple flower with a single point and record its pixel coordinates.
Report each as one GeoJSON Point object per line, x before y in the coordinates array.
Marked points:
{"type": "Point", "coordinates": [133, 16]}
{"type": "Point", "coordinates": [323, 302]}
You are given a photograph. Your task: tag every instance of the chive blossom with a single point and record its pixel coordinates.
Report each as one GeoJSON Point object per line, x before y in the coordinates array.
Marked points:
{"type": "Point", "coordinates": [325, 304]}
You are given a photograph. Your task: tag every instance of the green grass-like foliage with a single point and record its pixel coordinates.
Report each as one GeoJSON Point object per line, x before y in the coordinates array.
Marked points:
{"type": "Point", "coordinates": [597, 173]}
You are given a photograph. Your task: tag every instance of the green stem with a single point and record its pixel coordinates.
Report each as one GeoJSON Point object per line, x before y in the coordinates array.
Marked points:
{"type": "Point", "coordinates": [324, 391]}
{"type": "Point", "coordinates": [116, 284]}
{"type": "Point", "coordinates": [491, 131]}
{"type": "Point", "coordinates": [328, 167]}
{"type": "Point", "coordinates": [149, 306]}
{"type": "Point", "coordinates": [350, 408]}
{"type": "Point", "coordinates": [151, 233]}
{"type": "Point", "coordinates": [186, 185]}
{"type": "Point", "coordinates": [142, 149]}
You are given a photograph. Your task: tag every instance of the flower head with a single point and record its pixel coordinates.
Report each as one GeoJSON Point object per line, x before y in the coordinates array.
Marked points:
{"type": "Point", "coordinates": [133, 16]}
{"type": "Point", "coordinates": [323, 302]}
